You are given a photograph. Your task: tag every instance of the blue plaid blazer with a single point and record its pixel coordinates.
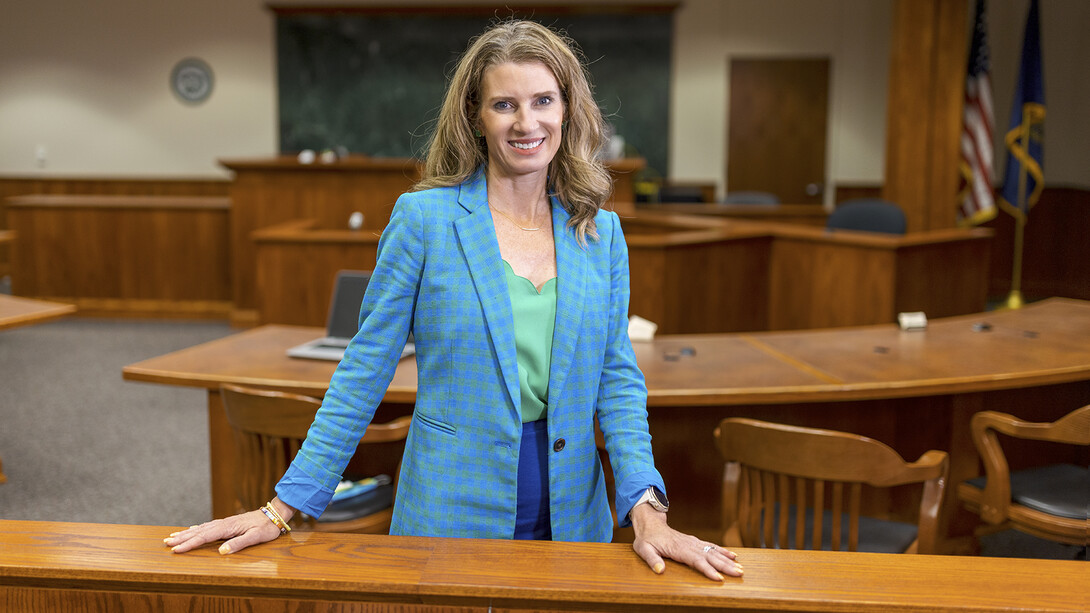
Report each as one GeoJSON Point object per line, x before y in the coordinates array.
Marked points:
{"type": "Point", "coordinates": [439, 274]}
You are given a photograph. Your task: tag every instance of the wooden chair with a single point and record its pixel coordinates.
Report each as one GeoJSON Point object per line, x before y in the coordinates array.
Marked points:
{"type": "Point", "coordinates": [778, 478]}
{"type": "Point", "coordinates": [1049, 502]}
{"type": "Point", "coordinates": [269, 428]}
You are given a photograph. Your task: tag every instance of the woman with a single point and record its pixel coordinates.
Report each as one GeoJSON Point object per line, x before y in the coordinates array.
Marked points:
{"type": "Point", "coordinates": [515, 286]}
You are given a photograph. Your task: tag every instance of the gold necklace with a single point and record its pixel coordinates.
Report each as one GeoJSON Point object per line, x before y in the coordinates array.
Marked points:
{"type": "Point", "coordinates": [512, 219]}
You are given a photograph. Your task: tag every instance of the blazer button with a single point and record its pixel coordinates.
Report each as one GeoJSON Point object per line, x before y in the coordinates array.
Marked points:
{"type": "Point", "coordinates": [559, 444]}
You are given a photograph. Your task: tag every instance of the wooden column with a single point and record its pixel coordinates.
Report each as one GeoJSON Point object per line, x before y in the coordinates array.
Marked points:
{"type": "Point", "coordinates": [928, 51]}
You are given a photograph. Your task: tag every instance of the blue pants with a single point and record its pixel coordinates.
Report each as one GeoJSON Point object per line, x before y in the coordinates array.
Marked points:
{"type": "Point", "coordinates": [532, 517]}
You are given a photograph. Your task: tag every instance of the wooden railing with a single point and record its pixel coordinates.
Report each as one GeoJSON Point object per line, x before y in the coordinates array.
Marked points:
{"type": "Point", "coordinates": [47, 566]}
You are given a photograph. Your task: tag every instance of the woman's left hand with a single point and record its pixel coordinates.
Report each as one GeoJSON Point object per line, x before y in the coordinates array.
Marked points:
{"type": "Point", "coordinates": [656, 540]}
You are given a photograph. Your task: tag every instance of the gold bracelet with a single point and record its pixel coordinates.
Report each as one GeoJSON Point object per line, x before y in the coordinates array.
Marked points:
{"type": "Point", "coordinates": [274, 516]}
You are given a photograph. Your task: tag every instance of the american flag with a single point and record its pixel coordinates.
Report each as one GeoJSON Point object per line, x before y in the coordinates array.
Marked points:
{"type": "Point", "coordinates": [976, 198]}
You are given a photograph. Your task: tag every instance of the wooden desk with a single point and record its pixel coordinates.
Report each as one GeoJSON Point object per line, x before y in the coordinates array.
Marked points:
{"type": "Point", "coordinates": [297, 264]}
{"type": "Point", "coordinates": [912, 390]}
{"type": "Point", "coordinates": [270, 191]}
{"type": "Point", "coordinates": [48, 566]}
{"type": "Point", "coordinates": [694, 275]}
{"type": "Point", "coordinates": [16, 312]}
{"type": "Point", "coordinates": [802, 214]}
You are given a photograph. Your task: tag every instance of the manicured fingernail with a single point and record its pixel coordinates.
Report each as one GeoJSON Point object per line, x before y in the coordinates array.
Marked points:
{"type": "Point", "coordinates": [167, 539]}
{"type": "Point", "coordinates": [658, 568]}
{"type": "Point", "coordinates": [225, 549]}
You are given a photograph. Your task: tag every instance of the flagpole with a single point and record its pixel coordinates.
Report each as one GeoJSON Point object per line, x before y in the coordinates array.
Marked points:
{"type": "Point", "coordinates": [1014, 299]}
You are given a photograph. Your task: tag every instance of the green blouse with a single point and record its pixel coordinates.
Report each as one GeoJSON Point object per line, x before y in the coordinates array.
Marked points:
{"type": "Point", "coordinates": [534, 314]}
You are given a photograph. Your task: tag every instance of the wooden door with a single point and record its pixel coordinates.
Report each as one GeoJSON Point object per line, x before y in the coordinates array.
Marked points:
{"type": "Point", "coordinates": [777, 127]}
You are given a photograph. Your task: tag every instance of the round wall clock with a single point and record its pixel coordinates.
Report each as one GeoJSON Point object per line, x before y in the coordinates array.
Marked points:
{"type": "Point", "coordinates": [191, 80]}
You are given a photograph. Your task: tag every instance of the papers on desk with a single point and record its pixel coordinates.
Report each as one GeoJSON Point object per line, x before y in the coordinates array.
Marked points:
{"type": "Point", "coordinates": [640, 329]}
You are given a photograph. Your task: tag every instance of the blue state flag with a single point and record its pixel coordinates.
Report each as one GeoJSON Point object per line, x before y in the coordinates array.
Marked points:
{"type": "Point", "coordinates": [1025, 177]}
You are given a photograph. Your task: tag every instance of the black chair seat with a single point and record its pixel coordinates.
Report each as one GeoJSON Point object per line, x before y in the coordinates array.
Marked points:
{"type": "Point", "coordinates": [1062, 490]}
{"type": "Point", "coordinates": [875, 535]}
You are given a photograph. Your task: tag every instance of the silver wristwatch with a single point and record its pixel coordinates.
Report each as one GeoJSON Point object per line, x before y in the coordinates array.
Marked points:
{"type": "Point", "coordinates": [656, 498]}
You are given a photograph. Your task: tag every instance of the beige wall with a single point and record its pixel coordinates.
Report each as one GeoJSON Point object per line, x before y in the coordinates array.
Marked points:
{"type": "Point", "coordinates": [89, 83]}
{"type": "Point", "coordinates": [710, 33]}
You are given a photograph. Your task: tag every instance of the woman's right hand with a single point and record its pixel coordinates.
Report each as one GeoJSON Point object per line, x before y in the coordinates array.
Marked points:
{"type": "Point", "coordinates": [239, 531]}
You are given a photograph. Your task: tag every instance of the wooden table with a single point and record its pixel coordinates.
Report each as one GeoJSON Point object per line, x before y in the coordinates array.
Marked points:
{"type": "Point", "coordinates": [48, 566]}
{"type": "Point", "coordinates": [912, 390]}
{"type": "Point", "coordinates": [16, 312]}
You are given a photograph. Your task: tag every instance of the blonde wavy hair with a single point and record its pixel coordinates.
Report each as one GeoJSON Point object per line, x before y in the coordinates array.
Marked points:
{"type": "Point", "coordinates": [576, 176]}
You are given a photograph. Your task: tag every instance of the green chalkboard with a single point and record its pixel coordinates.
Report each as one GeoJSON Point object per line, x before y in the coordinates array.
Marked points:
{"type": "Point", "coordinates": [373, 82]}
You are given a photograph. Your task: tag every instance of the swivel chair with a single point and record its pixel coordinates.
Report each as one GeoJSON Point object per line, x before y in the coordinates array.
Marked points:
{"type": "Point", "coordinates": [868, 215]}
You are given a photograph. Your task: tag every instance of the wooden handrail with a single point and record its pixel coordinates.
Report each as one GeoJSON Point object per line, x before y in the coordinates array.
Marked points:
{"type": "Point", "coordinates": [87, 565]}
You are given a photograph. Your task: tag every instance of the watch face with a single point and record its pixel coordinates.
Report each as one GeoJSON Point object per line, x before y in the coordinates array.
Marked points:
{"type": "Point", "coordinates": [660, 496]}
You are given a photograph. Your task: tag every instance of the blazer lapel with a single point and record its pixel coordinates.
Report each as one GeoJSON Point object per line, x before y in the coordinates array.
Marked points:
{"type": "Point", "coordinates": [571, 262]}
{"type": "Point", "coordinates": [477, 238]}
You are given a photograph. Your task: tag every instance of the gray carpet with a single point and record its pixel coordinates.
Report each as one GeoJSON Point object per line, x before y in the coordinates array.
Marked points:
{"type": "Point", "coordinates": [79, 443]}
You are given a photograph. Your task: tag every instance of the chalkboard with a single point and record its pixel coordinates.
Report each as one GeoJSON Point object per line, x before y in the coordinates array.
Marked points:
{"type": "Point", "coordinates": [372, 82]}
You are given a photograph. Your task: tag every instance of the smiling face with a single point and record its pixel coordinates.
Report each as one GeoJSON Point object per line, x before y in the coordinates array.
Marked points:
{"type": "Point", "coordinates": [520, 118]}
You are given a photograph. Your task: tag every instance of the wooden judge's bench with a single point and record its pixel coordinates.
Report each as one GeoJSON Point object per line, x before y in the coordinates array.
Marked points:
{"type": "Point", "coordinates": [267, 192]}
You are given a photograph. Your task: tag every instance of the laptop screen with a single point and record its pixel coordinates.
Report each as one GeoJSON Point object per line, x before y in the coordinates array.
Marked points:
{"type": "Point", "coordinates": [344, 309]}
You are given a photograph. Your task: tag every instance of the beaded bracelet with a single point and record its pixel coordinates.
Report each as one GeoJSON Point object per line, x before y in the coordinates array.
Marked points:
{"type": "Point", "coordinates": [270, 511]}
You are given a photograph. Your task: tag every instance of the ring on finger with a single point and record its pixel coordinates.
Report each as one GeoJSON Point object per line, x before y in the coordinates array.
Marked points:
{"type": "Point", "coordinates": [708, 548]}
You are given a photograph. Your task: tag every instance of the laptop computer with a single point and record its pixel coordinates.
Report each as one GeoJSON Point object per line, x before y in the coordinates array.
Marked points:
{"type": "Point", "coordinates": [342, 323]}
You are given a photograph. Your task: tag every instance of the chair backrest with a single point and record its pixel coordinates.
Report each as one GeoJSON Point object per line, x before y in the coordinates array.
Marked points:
{"type": "Point", "coordinates": [751, 197]}
{"type": "Point", "coordinates": [868, 215]}
{"type": "Point", "coordinates": [1071, 429]}
{"type": "Point", "coordinates": [269, 428]}
{"type": "Point", "coordinates": [681, 193]}
{"type": "Point", "coordinates": [775, 471]}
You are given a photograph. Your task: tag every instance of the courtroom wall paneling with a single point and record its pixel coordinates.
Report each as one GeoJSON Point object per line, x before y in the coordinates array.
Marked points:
{"type": "Point", "coordinates": [1056, 255]}
{"type": "Point", "coordinates": [139, 261]}
{"type": "Point", "coordinates": [851, 191]}
{"type": "Point", "coordinates": [24, 186]}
